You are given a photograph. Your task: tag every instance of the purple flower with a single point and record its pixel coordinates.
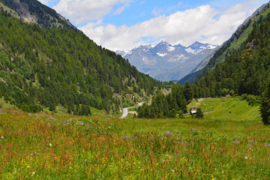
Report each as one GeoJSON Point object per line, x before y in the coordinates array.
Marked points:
{"type": "Point", "coordinates": [126, 137]}
{"type": "Point", "coordinates": [250, 144]}
{"type": "Point", "coordinates": [81, 123]}
{"type": "Point", "coordinates": [236, 141]}
{"type": "Point", "coordinates": [29, 114]}
{"type": "Point", "coordinates": [152, 138]}
{"type": "Point", "coordinates": [168, 133]}
{"type": "Point", "coordinates": [267, 145]}
{"type": "Point", "coordinates": [182, 143]}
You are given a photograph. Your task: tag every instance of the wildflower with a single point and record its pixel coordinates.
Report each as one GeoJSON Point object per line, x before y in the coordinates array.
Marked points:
{"type": "Point", "coordinates": [81, 123]}
{"type": "Point", "coordinates": [267, 145]}
{"type": "Point", "coordinates": [168, 133]}
{"type": "Point", "coordinates": [2, 137]}
{"type": "Point", "coordinates": [126, 137]}
{"type": "Point", "coordinates": [172, 170]}
{"type": "Point", "coordinates": [236, 141]}
{"type": "Point", "coordinates": [152, 138]}
{"type": "Point", "coordinates": [33, 173]}
{"type": "Point", "coordinates": [50, 144]}
{"type": "Point", "coordinates": [246, 157]}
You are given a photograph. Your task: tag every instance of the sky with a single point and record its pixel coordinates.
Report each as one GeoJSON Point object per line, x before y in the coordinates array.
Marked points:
{"type": "Point", "coordinates": [126, 24]}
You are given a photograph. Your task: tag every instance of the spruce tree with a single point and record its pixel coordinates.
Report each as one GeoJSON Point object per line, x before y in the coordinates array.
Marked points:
{"type": "Point", "coordinates": [265, 106]}
{"type": "Point", "coordinates": [188, 92]}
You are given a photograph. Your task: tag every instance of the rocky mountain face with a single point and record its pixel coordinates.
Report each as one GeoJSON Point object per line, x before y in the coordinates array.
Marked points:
{"type": "Point", "coordinates": [34, 12]}
{"type": "Point", "coordinates": [166, 62]}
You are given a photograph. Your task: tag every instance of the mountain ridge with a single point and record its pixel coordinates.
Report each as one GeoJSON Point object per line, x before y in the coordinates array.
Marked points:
{"type": "Point", "coordinates": [34, 12]}
{"type": "Point", "coordinates": [163, 57]}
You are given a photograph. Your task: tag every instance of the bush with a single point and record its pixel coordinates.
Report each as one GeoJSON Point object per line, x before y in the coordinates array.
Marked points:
{"type": "Point", "coordinates": [181, 114]}
{"type": "Point", "coordinates": [244, 96]}
{"type": "Point", "coordinates": [199, 113]}
{"type": "Point", "coordinates": [25, 107]}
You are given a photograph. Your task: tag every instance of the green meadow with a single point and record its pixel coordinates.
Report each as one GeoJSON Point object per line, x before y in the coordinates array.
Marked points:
{"type": "Point", "coordinates": [229, 143]}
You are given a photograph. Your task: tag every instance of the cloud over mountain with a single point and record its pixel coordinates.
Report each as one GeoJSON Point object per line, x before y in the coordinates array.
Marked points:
{"type": "Point", "coordinates": [204, 24]}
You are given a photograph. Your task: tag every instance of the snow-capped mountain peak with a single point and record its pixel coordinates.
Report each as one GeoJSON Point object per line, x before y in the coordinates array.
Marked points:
{"type": "Point", "coordinates": [198, 47]}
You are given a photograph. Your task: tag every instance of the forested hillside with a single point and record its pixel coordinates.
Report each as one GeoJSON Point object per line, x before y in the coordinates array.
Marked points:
{"type": "Point", "coordinates": [247, 71]}
{"type": "Point", "coordinates": [237, 40]}
{"type": "Point", "coordinates": [47, 67]}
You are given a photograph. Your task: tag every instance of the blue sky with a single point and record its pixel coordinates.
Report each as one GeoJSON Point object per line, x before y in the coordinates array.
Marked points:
{"type": "Point", "coordinates": [125, 24]}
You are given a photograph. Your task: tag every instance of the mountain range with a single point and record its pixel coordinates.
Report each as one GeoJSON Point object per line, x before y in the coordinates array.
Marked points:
{"type": "Point", "coordinates": [168, 62]}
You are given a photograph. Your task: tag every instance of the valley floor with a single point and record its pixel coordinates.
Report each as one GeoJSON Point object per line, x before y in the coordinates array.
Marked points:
{"type": "Point", "coordinates": [224, 145]}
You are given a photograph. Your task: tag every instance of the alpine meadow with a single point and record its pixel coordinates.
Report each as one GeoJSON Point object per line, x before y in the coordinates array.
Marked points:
{"type": "Point", "coordinates": [72, 108]}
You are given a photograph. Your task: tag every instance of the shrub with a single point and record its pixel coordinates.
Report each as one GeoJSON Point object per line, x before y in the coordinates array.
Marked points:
{"type": "Point", "coordinates": [244, 96]}
{"type": "Point", "coordinates": [199, 113]}
{"type": "Point", "coordinates": [181, 114]}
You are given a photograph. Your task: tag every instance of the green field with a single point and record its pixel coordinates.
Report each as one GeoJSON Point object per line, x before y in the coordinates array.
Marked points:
{"type": "Point", "coordinates": [224, 145]}
{"type": "Point", "coordinates": [229, 109]}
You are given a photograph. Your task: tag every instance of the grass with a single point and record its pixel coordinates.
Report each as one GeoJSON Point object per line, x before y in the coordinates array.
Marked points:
{"type": "Point", "coordinates": [42, 146]}
{"type": "Point", "coordinates": [229, 109]}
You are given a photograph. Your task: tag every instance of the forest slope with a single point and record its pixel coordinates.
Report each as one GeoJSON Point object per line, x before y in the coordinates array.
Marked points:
{"type": "Point", "coordinates": [47, 67]}
{"type": "Point", "coordinates": [233, 44]}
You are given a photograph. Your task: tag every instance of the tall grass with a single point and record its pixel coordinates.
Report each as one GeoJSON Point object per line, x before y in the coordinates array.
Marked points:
{"type": "Point", "coordinates": [41, 146]}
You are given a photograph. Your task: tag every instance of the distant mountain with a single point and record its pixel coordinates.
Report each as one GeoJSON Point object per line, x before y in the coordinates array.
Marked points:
{"type": "Point", "coordinates": [185, 68]}
{"type": "Point", "coordinates": [198, 47]}
{"type": "Point", "coordinates": [166, 62]}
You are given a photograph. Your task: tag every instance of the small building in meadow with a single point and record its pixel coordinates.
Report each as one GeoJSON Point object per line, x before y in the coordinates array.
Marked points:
{"type": "Point", "coordinates": [193, 112]}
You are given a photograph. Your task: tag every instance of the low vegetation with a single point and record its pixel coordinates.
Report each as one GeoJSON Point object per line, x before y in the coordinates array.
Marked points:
{"type": "Point", "coordinates": [43, 146]}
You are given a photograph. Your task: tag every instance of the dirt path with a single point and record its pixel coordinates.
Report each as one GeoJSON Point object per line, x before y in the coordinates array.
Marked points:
{"type": "Point", "coordinates": [125, 111]}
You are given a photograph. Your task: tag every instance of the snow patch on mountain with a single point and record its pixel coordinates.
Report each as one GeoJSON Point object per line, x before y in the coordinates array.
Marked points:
{"type": "Point", "coordinates": [162, 55]}
{"type": "Point", "coordinates": [170, 48]}
{"type": "Point", "coordinates": [211, 46]}
{"type": "Point", "coordinates": [190, 50]}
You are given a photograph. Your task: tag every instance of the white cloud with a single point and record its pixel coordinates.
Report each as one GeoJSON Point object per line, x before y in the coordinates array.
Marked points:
{"type": "Point", "coordinates": [184, 27]}
{"type": "Point", "coordinates": [158, 11]}
{"type": "Point", "coordinates": [82, 11]}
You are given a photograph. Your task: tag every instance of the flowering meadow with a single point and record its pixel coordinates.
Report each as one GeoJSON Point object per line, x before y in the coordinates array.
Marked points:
{"type": "Point", "coordinates": [43, 146]}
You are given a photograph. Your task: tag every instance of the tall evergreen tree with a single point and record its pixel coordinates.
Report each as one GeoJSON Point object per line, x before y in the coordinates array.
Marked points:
{"type": "Point", "coordinates": [265, 106]}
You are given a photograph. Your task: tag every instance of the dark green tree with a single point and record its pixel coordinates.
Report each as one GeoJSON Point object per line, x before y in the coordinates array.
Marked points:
{"type": "Point", "coordinates": [265, 106]}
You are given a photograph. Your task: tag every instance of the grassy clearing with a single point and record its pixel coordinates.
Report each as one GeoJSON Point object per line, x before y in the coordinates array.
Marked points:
{"type": "Point", "coordinates": [42, 146]}
{"type": "Point", "coordinates": [229, 109]}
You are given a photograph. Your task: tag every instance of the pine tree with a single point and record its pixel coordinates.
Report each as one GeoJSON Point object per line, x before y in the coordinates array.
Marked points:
{"type": "Point", "coordinates": [188, 93]}
{"type": "Point", "coordinates": [265, 106]}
